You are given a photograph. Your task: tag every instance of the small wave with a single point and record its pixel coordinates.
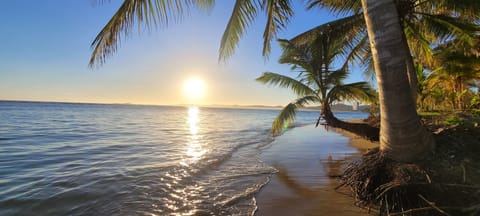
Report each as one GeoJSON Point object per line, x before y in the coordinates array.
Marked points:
{"type": "Point", "coordinates": [250, 191]}
{"type": "Point", "coordinates": [217, 160]}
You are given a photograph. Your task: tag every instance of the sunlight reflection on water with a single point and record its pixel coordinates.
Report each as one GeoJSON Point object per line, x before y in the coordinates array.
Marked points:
{"type": "Point", "coordinates": [193, 119]}
{"type": "Point", "coordinates": [194, 149]}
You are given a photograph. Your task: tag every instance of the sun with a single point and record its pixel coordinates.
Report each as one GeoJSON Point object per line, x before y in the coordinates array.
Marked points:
{"type": "Point", "coordinates": [194, 89]}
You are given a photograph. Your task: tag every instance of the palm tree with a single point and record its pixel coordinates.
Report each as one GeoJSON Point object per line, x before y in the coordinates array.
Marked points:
{"type": "Point", "coordinates": [455, 68]}
{"type": "Point", "coordinates": [316, 80]}
{"type": "Point", "coordinates": [424, 23]}
{"type": "Point", "coordinates": [402, 137]}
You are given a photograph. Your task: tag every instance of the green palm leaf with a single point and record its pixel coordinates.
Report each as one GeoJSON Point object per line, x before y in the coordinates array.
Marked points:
{"type": "Point", "coordinates": [344, 39]}
{"type": "Point", "coordinates": [417, 41]}
{"type": "Point", "coordinates": [278, 15]}
{"type": "Point", "coordinates": [338, 7]}
{"type": "Point", "coordinates": [298, 56]}
{"type": "Point", "coordinates": [336, 77]}
{"type": "Point", "coordinates": [286, 82]}
{"type": "Point", "coordinates": [445, 27]}
{"type": "Point", "coordinates": [287, 115]}
{"type": "Point", "coordinates": [149, 12]}
{"type": "Point", "coordinates": [362, 48]}
{"type": "Point", "coordinates": [243, 14]}
{"type": "Point", "coordinates": [463, 8]}
{"type": "Point", "coordinates": [353, 91]}
{"type": "Point", "coordinates": [348, 28]}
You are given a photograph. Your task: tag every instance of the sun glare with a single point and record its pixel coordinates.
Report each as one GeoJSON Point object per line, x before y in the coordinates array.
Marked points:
{"type": "Point", "coordinates": [194, 89]}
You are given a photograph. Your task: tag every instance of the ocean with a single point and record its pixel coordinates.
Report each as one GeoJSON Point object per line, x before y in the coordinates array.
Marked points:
{"type": "Point", "coordinates": [94, 159]}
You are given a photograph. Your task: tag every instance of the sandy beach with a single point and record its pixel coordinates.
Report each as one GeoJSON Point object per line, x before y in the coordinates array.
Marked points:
{"type": "Point", "coordinates": [305, 157]}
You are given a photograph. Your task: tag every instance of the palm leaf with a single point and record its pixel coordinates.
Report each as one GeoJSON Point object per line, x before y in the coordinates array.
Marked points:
{"type": "Point", "coordinates": [348, 27]}
{"type": "Point", "coordinates": [336, 77]}
{"type": "Point", "coordinates": [362, 48]}
{"type": "Point", "coordinates": [338, 7]}
{"type": "Point", "coordinates": [419, 45]}
{"type": "Point", "coordinates": [278, 15]}
{"type": "Point", "coordinates": [343, 40]}
{"type": "Point", "coordinates": [464, 8]}
{"type": "Point", "coordinates": [243, 14]}
{"type": "Point", "coordinates": [297, 56]}
{"type": "Point", "coordinates": [286, 82]}
{"type": "Point", "coordinates": [445, 27]}
{"type": "Point", "coordinates": [368, 66]}
{"type": "Point", "coordinates": [149, 12]}
{"type": "Point", "coordinates": [287, 115]}
{"type": "Point", "coordinates": [352, 91]}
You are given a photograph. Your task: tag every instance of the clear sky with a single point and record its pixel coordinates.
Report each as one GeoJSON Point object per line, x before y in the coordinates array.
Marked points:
{"type": "Point", "coordinates": [46, 48]}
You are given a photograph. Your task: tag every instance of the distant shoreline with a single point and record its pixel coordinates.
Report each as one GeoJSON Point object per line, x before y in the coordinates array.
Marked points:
{"type": "Point", "coordinates": [344, 107]}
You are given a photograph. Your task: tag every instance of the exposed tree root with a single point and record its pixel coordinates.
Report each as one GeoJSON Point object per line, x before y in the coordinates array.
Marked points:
{"type": "Point", "coordinates": [440, 185]}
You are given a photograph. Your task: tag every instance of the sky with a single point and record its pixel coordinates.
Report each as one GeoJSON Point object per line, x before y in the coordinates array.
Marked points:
{"type": "Point", "coordinates": [46, 48]}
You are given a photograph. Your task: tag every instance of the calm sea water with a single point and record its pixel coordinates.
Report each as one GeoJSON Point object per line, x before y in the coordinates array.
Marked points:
{"type": "Point", "coordinates": [87, 159]}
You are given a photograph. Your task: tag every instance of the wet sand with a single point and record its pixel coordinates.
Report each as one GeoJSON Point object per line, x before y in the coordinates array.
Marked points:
{"type": "Point", "coordinates": [305, 157]}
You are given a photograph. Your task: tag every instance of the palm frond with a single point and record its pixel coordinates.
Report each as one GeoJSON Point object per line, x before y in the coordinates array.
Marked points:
{"type": "Point", "coordinates": [343, 40]}
{"type": "Point", "coordinates": [419, 45]}
{"type": "Point", "coordinates": [348, 27]}
{"type": "Point", "coordinates": [352, 91]}
{"type": "Point", "coordinates": [287, 115]}
{"type": "Point", "coordinates": [149, 12]}
{"type": "Point", "coordinates": [286, 82]}
{"type": "Point", "coordinates": [457, 61]}
{"type": "Point", "coordinates": [278, 15]}
{"type": "Point", "coordinates": [337, 7]}
{"type": "Point", "coordinates": [464, 8]}
{"type": "Point", "coordinates": [368, 67]}
{"type": "Point", "coordinates": [297, 56]}
{"type": "Point", "coordinates": [336, 77]}
{"type": "Point", "coordinates": [243, 14]}
{"type": "Point", "coordinates": [446, 27]}
{"type": "Point", "coordinates": [362, 48]}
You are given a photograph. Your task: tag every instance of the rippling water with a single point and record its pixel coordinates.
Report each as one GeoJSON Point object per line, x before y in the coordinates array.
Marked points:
{"type": "Point", "coordinates": [88, 159]}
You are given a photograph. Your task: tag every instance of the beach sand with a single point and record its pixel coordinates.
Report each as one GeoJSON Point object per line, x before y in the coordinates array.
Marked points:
{"type": "Point", "coordinates": [305, 157]}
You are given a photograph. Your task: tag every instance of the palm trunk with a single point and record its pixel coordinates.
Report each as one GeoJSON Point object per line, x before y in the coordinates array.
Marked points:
{"type": "Point", "coordinates": [412, 72]}
{"type": "Point", "coordinates": [327, 114]}
{"type": "Point", "coordinates": [402, 137]}
{"type": "Point", "coordinates": [461, 98]}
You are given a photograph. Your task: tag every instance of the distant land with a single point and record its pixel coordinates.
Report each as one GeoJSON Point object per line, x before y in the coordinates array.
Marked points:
{"type": "Point", "coordinates": [342, 108]}
{"type": "Point", "coordinates": [336, 107]}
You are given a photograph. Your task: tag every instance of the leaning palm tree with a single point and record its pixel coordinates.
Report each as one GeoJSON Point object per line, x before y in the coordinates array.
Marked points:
{"type": "Point", "coordinates": [316, 81]}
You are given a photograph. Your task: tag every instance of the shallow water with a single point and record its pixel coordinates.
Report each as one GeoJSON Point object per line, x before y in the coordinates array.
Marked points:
{"type": "Point", "coordinates": [305, 157]}
{"type": "Point", "coordinates": [90, 159]}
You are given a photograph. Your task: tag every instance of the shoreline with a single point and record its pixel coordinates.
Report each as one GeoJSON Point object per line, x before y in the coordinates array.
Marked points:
{"type": "Point", "coordinates": [305, 158]}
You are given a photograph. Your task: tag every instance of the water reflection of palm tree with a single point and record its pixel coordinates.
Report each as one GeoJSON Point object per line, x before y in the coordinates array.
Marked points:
{"type": "Point", "coordinates": [293, 184]}
{"type": "Point", "coordinates": [333, 168]}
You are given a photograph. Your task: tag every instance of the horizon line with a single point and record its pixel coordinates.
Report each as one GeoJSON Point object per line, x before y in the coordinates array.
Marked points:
{"type": "Point", "coordinates": [139, 104]}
